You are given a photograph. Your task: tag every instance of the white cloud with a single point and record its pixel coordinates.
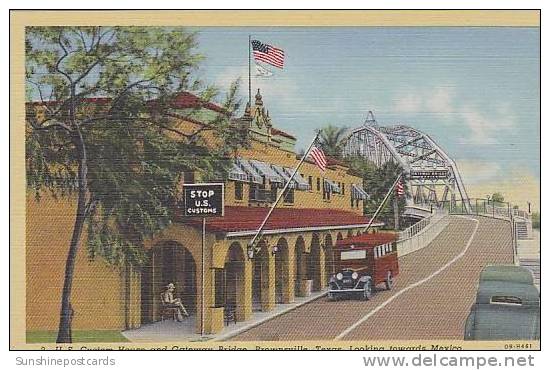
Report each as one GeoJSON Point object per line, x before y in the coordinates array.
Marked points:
{"type": "Point", "coordinates": [439, 100]}
{"type": "Point", "coordinates": [408, 104]}
{"type": "Point", "coordinates": [436, 100]}
{"type": "Point", "coordinates": [485, 129]}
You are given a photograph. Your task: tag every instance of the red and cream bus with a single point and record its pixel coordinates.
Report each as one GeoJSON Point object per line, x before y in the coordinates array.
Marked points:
{"type": "Point", "coordinates": [363, 262]}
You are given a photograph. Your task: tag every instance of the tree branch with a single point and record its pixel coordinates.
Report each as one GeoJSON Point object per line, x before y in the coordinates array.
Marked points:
{"type": "Point", "coordinates": [39, 88]}
{"type": "Point", "coordinates": [58, 63]}
{"type": "Point", "coordinates": [82, 40]}
{"type": "Point", "coordinates": [41, 127]}
{"type": "Point", "coordinates": [202, 129]}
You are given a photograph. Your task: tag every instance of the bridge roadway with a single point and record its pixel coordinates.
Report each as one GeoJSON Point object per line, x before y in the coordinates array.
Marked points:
{"type": "Point", "coordinates": [430, 300]}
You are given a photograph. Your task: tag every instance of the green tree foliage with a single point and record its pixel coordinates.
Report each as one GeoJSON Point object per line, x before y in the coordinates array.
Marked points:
{"type": "Point", "coordinates": [332, 140]}
{"type": "Point", "coordinates": [497, 197]}
{"type": "Point", "coordinates": [103, 131]}
{"type": "Point", "coordinates": [377, 182]}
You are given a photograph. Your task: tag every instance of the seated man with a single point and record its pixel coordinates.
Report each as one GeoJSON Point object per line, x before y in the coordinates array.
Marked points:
{"type": "Point", "coordinates": [170, 301]}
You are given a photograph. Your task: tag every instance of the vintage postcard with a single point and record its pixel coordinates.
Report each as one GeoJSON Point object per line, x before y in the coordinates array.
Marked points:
{"type": "Point", "coordinates": [275, 179]}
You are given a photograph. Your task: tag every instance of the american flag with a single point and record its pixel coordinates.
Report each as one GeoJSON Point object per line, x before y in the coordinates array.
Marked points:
{"type": "Point", "coordinates": [399, 189]}
{"type": "Point", "coordinates": [268, 54]}
{"type": "Point", "coordinates": [319, 158]}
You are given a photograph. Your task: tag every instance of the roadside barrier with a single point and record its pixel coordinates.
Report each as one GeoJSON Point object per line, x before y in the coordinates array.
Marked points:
{"type": "Point", "coordinates": [422, 233]}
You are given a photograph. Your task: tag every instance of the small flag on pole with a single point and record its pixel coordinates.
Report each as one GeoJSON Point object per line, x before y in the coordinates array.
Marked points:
{"type": "Point", "coordinates": [262, 72]}
{"type": "Point", "coordinates": [318, 156]}
{"type": "Point", "coordinates": [399, 189]}
{"type": "Point", "coordinates": [268, 54]}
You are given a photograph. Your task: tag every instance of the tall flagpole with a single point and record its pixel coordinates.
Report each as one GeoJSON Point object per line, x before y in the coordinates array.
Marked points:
{"type": "Point", "coordinates": [381, 204]}
{"type": "Point", "coordinates": [258, 232]}
{"type": "Point", "coordinates": [249, 74]}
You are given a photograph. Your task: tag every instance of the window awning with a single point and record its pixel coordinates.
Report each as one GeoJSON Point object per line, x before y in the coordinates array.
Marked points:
{"type": "Point", "coordinates": [326, 186]}
{"type": "Point", "coordinates": [265, 170]}
{"type": "Point", "coordinates": [358, 193]}
{"type": "Point", "coordinates": [238, 174]}
{"type": "Point", "coordinates": [331, 186]}
{"type": "Point", "coordinates": [280, 170]}
{"type": "Point", "coordinates": [252, 174]}
{"type": "Point", "coordinates": [301, 183]}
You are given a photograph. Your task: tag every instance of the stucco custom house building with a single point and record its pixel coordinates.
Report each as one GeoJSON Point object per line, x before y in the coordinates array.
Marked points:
{"type": "Point", "coordinates": [294, 255]}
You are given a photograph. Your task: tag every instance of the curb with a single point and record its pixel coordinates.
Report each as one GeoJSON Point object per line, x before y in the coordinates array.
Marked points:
{"type": "Point", "coordinates": [257, 323]}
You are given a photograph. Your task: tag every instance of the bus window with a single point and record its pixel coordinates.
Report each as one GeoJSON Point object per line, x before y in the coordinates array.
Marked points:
{"type": "Point", "coordinates": [353, 255]}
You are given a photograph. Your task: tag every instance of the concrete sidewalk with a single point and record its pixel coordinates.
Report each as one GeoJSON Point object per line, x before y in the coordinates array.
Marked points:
{"type": "Point", "coordinates": [171, 331]}
{"type": "Point", "coordinates": [529, 255]}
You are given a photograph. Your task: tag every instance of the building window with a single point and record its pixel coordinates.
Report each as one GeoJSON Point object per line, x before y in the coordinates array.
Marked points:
{"type": "Point", "coordinates": [326, 192]}
{"type": "Point", "coordinates": [319, 184]}
{"type": "Point", "coordinates": [273, 193]}
{"type": "Point", "coordinates": [343, 189]}
{"type": "Point", "coordinates": [238, 190]}
{"type": "Point", "coordinates": [310, 182]}
{"type": "Point", "coordinates": [289, 196]}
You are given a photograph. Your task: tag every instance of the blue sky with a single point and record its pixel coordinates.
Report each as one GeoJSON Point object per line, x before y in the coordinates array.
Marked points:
{"type": "Point", "coordinates": [474, 90]}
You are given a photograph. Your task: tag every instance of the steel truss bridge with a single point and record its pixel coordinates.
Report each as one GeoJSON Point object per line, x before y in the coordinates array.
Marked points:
{"type": "Point", "coordinates": [431, 175]}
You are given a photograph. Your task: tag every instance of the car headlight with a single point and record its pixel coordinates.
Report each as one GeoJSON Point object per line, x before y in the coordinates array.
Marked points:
{"type": "Point", "coordinates": [355, 275]}
{"type": "Point", "coordinates": [339, 276]}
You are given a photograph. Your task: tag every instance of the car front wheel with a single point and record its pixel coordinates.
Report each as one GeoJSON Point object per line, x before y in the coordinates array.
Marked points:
{"type": "Point", "coordinates": [367, 290]}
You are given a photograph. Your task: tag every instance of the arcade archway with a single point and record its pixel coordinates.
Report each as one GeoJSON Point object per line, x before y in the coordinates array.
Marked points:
{"type": "Point", "coordinates": [234, 287]}
{"type": "Point", "coordinates": [282, 273]}
{"type": "Point", "coordinates": [168, 262]}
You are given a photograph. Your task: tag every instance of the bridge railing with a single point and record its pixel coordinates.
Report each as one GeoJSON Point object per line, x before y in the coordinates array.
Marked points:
{"type": "Point", "coordinates": [422, 233]}
{"type": "Point", "coordinates": [484, 207]}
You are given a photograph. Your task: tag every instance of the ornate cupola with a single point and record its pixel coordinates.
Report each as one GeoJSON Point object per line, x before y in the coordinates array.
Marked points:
{"type": "Point", "coordinates": [258, 121]}
{"type": "Point", "coordinates": [258, 101]}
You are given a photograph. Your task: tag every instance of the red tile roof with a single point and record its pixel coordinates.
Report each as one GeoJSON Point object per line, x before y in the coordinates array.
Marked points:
{"type": "Point", "coordinates": [181, 100]}
{"type": "Point", "coordinates": [98, 100]}
{"type": "Point", "coordinates": [367, 240]}
{"type": "Point", "coordinates": [250, 219]}
{"type": "Point", "coordinates": [275, 131]}
{"type": "Point", "coordinates": [187, 100]}
{"type": "Point", "coordinates": [333, 161]}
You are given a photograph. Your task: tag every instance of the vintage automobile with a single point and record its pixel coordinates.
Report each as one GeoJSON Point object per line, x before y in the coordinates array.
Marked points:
{"type": "Point", "coordinates": [361, 263]}
{"type": "Point", "coordinates": [507, 306]}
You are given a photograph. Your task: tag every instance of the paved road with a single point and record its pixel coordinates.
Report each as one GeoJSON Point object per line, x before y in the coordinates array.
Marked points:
{"type": "Point", "coordinates": [430, 300]}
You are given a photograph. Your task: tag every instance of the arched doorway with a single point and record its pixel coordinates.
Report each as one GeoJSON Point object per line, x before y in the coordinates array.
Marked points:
{"type": "Point", "coordinates": [260, 278]}
{"type": "Point", "coordinates": [314, 266]}
{"type": "Point", "coordinates": [234, 287]}
{"type": "Point", "coordinates": [329, 256]}
{"type": "Point", "coordinates": [167, 263]}
{"type": "Point", "coordinates": [300, 266]}
{"type": "Point", "coordinates": [282, 272]}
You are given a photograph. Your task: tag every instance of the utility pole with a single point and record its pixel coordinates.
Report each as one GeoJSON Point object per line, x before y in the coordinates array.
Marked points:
{"type": "Point", "coordinates": [249, 72]}
{"type": "Point", "coordinates": [396, 212]}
